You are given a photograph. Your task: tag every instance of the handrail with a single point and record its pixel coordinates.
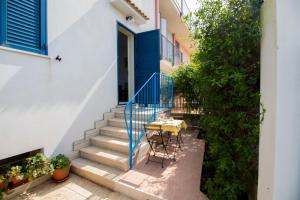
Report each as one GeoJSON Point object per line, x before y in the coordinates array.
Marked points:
{"type": "Point", "coordinates": [155, 95]}
{"type": "Point", "coordinates": [141, 88]}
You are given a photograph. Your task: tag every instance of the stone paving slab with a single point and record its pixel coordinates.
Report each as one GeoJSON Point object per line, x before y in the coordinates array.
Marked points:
{"type": "Point", "coordinates": [178, 180]}
{"type": "Point", "coordinates": [75, 188]}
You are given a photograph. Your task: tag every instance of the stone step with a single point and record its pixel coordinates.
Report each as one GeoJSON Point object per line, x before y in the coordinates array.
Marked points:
{"type": "Point", "coordinates": [106, 157]}
{"type": "Point", "coordinates": [122, 107]}
{"type": "Point", "coordinates": [140, 116]}
{"type": "Point", "coordinates": [95, 172]}
{"type": "Point", "coordinates": [116, 132]}
{"type": "Point", "coordinates": [116, 122]}
{"type": "Point", "coordinates": [111, 143]}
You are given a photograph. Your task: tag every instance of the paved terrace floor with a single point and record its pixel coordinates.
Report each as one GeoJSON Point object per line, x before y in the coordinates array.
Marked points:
{"type": "Point", "coordinates": [75, 188]}
{"type": "Point", "coordinates": [178, 180]}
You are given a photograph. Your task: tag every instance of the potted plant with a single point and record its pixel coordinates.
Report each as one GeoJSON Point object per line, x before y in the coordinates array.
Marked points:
{"type": "Point", "coordinates": [37, 166]}
{"type": "Point", "coordinates": [3, 183]}
{"type": "Point", "coordinates": [61, 165]}
{"type": "Point", "coordinates": [16, 176]}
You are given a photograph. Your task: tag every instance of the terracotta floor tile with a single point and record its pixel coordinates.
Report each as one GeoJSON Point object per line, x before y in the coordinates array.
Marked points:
{"type": "Point", "coordinates": [178, 180]}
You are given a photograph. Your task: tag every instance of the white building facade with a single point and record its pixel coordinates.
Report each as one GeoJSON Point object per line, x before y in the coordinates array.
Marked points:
{"type": "Point", "coordinates": [51, 93]}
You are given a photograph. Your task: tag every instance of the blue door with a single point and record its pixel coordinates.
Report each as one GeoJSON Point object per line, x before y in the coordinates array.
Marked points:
{"type": "Point", "coordinates": [147, 56]}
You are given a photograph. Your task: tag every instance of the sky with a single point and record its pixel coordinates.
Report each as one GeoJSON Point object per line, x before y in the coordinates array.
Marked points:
{"type": "Point", "coordinates": [192, 4]}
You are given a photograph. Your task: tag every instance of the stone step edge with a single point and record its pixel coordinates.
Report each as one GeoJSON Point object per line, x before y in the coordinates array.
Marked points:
{"type": "Point", "coordinates": [85, 141]}
{"type": "Point", "coordinates": [133, 192]}
{"type": "Point", "coordinates": [123, 188]}
{"type": "Point", "coordinates": [104, 179]}
{"type": "Point", "coordinates": [117, 164]}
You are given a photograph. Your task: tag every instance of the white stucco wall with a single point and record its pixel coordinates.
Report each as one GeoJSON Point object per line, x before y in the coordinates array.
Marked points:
{"type": "Point", "coordinates": [49, 104]}
{"type": "Point", "coordinates": [279, 163]}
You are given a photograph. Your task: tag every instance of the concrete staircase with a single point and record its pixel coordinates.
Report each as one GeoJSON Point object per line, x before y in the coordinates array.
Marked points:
{"type": "Point", "coordinates": [103, 153]}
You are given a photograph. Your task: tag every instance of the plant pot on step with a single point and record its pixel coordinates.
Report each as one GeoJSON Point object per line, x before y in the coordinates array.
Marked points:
{"type": "Point", "coordinates": [3, 183]}
{"type": "Point", "coordinates": [61, 165]}
{"type": "Point", "coordinates": [60, 175]}
{"type": "Point", "coordinates": [3, 186]}
{"type": "Point", "coordinates": [17, 181]}
{"type": "Point", "coordinates": [16, 176]}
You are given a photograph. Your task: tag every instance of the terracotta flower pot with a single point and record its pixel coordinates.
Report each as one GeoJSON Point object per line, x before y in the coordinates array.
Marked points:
{"type": "Point", "coordinates": [2, 186]}
{"type": "Point", "coordinates": [60, 174]}
{"type": "Point", "coordinates": [17, 182]}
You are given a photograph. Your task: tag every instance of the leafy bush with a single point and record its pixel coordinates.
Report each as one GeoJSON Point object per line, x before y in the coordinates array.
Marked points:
{"type": "Point", "coordinates": [16, 172]}
{"type": "Point", "coordinates": [60, 162]}
{"type": "Point", "coordinates": [37, 166]}
{"type": "Point", "coordinates": [225, 78]}
{"type": "Point", "coordinates": [3, 185]}
{"type": "Point", "coordinates": [186, 85]}
{"type": "Point", "coordinates": [3, 182]}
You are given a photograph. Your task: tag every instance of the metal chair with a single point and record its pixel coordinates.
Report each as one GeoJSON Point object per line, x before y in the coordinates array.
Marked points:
{"type": "Point", "coordinates": [156, 139]}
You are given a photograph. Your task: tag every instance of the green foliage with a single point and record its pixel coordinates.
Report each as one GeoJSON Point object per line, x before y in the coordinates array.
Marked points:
{"type": "Point", "coordinates": [60, 162]}
{"type": "Point", "coordinates": [17, 172]}
{"type": "Point", "coordinates": [225, 78]}
{"type": "Point", "coordinates": [3, 180]}
{"type": "Point", "coordinates": [4, 183]}
{"type": "Point", "coordinates": [37, 166]}
{"type": "Point", "coordinates": [186, 84]}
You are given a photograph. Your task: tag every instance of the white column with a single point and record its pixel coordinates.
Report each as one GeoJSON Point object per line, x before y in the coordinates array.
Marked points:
{"type": "Point", "coordinates": [279, 167]}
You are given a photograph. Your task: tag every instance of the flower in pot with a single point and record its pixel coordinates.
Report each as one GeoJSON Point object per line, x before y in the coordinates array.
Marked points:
{"type": "Point", "coordinates": [3, 183]}
{"type": "Point", "coordinates": [61, 165]}
{"type": "Point", "coordinates": [37, 166]}
{"type": "Point", "coordinates": [16, 175]}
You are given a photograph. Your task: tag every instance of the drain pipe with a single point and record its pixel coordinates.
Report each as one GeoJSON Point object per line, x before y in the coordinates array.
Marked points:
{"type": "Point", "coordinates": [156, 13]}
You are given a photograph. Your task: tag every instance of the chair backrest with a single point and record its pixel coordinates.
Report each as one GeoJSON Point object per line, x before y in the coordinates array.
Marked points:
{"type": "Point", "coordinates": [152, 129]}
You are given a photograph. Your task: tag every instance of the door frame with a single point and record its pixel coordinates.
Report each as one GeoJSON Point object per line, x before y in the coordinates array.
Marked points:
{"type": "Point", "coordinates": [131, 60]}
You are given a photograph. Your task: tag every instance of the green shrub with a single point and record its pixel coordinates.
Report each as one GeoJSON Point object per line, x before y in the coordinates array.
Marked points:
{"type": "Point", "coordinates": [17, 172]}
{"type": "Point", "coordinates": [3, 182]}
{"type": "Point", "coordinates": [186, 85]}
{"type": "Point", "coordinates": [60, 162]}
{"type": "Point", "coordinates": [225, 78]}
{"type": "Point", "coordinates": [37, 166]}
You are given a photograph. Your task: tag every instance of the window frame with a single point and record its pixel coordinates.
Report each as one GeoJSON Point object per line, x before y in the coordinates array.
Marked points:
{"type": "Point", "coordinates": [43, 34]}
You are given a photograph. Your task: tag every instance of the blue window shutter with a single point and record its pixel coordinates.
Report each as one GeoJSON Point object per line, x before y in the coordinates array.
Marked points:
{"type": "Point", "coordinates": [24, 25]}
{"type": "Point", "coordinates": [2, 21]}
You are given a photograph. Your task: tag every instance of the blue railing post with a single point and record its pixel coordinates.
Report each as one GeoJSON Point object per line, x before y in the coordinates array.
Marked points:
{"type": "Point", "coordinates": [168, 98]}
{"type": "Point", "coordinates": [173, 97]}
{"type": "Point", "coordinates": [130, 136]}
{"type": "Point", "coordinates": [155, 93]}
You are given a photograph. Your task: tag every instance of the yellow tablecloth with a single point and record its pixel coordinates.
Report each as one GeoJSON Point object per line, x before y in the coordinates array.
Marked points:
{"type": "Point", "coordinates": [173, 126]}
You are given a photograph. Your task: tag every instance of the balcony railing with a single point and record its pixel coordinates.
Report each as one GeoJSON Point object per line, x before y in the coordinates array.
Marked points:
{"type": "Point", "coordinates": [178, 57]}
{"type": "Point", "coordinates": [169, 52]}
{"type": "Point", "coordinates": [182, 7]}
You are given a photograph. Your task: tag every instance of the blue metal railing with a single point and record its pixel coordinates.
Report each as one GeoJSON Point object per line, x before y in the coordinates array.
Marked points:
{"type": "Point", "coordinates": [156, 95]}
